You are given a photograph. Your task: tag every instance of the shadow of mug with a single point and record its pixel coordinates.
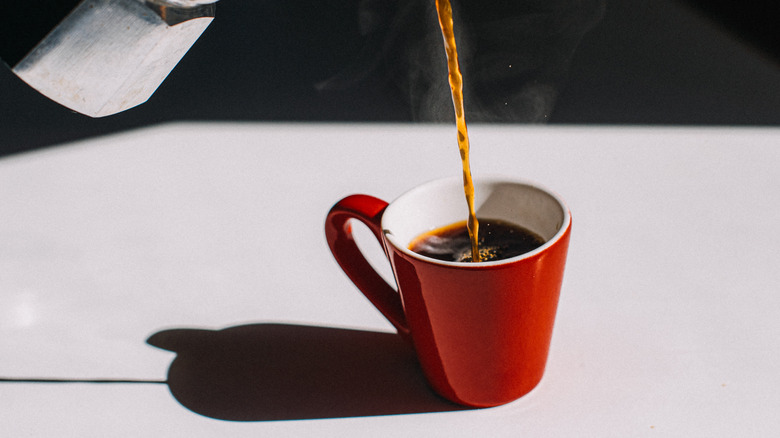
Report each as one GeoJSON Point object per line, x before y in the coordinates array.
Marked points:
{"type": "Point", "coordinates": [266, 372]}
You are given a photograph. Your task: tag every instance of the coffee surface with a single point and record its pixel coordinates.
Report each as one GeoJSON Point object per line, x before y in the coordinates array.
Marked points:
{"type": "Point", "coordinates": [498, 240]}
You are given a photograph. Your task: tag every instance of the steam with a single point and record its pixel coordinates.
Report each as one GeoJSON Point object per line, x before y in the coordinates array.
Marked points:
{"type": "Point", "coordinates": [514, 54]}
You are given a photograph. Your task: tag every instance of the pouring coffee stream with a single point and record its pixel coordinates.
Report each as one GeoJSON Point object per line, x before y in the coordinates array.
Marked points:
{"type": "Point", "coordinates": [444, 11]}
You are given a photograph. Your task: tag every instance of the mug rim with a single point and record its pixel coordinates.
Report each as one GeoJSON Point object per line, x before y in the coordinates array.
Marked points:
{"type": "Point", "coordinates": [487, 179]}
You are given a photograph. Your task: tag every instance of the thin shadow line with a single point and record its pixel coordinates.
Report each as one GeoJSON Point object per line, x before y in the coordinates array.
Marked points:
{"type": "Point", "coordinates": [103, 381]}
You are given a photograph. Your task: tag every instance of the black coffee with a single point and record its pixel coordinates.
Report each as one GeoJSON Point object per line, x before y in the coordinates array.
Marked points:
{"type": "Point", "coordinates": [497, 240]}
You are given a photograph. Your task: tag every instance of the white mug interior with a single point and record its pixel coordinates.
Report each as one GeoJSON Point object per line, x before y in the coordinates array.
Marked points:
{"type": "Point", "coordinates": [442, 202]}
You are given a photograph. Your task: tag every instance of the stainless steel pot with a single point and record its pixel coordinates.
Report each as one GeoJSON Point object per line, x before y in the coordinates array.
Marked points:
{"type": "Point", "coordinates": [105, 56]}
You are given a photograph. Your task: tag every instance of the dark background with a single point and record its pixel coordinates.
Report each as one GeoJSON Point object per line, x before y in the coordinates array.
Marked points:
{"type": "Point", "coordinates": [663, 62]}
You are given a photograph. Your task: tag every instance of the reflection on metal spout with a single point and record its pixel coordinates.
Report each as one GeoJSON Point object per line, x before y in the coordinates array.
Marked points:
{"type": "Point", "coordinates": [183, 3]}
{"type": "Point", "coordinates": [174, 12]}
{"type": "Point", "coordinates": [107, 56]}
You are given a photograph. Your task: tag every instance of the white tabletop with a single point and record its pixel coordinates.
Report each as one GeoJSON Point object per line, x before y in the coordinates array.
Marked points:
{"type": "Point", "coordinates": [668, 323]}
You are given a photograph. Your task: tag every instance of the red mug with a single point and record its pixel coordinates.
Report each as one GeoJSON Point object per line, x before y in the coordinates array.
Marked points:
{"type": "Point", "coordinates": [481, 331]}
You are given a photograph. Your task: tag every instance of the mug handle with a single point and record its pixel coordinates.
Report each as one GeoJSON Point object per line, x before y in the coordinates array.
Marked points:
{"type": "Point", "coordinates": [338, 232]}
